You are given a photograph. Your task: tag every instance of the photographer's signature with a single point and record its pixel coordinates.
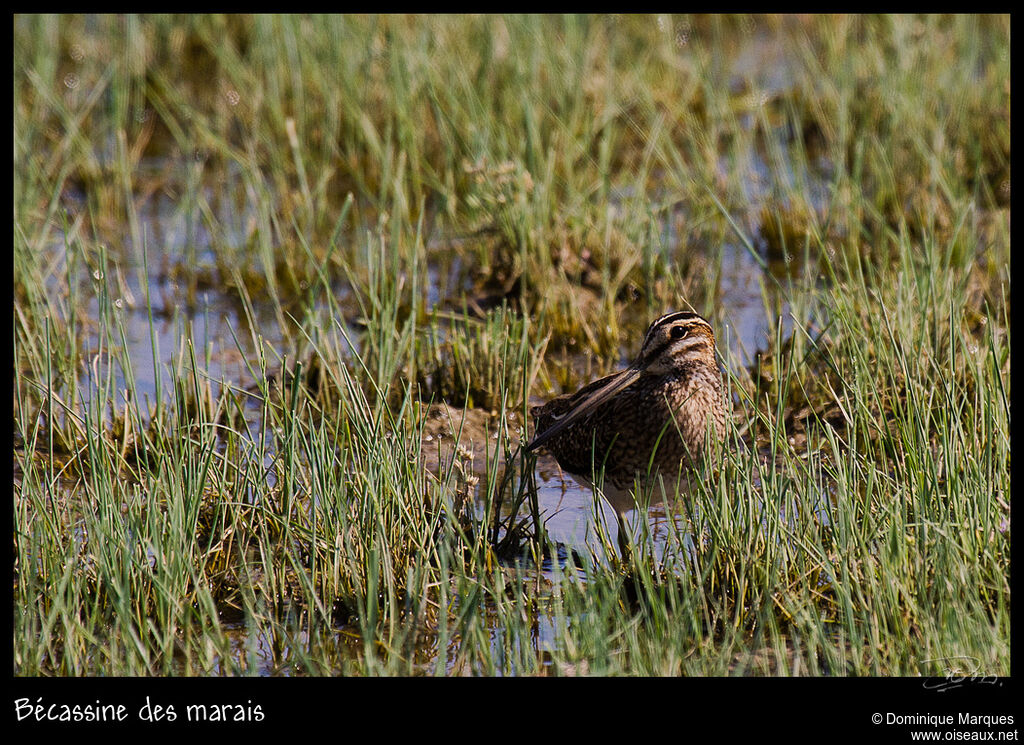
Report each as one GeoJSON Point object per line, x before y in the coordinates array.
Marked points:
{"type": "Point", "coordinates": [957, 672]}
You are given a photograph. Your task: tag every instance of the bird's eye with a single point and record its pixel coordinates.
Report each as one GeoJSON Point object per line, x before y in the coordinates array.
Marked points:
{"type": "Point", "coordinates": [678, 332]}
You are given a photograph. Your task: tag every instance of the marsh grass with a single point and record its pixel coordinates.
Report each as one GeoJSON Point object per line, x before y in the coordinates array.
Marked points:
{"type": "Point", "coordinates": [469, 213]}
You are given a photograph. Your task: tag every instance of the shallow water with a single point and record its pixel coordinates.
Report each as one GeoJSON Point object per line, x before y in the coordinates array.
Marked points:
{"type": "Point", "coordinates": [228, 346]}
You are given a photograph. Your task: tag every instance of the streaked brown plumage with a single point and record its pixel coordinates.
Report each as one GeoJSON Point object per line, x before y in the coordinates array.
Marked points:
{"type": "Point", "coordinates": [646, 421]}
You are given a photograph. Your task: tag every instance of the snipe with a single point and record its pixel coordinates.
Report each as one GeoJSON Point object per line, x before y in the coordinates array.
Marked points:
{"type": "Point", "coordinates": [645, 424]}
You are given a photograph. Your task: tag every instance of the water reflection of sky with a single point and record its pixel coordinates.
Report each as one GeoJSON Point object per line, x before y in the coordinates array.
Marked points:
{"type": "Point", "coordinates": [574, 518]}
{"type": "Point", "coordinates": [745, 326]}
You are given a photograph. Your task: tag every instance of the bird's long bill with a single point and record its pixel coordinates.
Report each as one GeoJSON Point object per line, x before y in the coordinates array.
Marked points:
{"type": "Point", "coordinates": [623, 380]}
